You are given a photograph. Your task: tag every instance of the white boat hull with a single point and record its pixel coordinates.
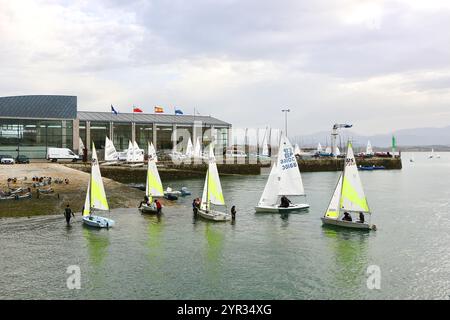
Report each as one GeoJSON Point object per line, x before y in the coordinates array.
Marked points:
{"type": "Point", "coordinates": [347, 224]}
{"type": "Point", "coordinates": [148, 209]}
{"type": "Point", "coordinates": [98, 222]}
{"type": "Point", "coordinates": [214, 215]}
{"type": "Point", "coordinates": [277, 209]}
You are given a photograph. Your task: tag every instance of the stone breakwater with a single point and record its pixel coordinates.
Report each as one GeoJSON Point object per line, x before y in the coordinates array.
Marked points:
{"type": "Point", "coordinates": [136, 174]}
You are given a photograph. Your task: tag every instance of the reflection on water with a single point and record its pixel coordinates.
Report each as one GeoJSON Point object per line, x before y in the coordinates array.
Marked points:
{"type": "Point", "coordinates": [259, 256]}
{"type": "Point", "coordinates": [349, 248]}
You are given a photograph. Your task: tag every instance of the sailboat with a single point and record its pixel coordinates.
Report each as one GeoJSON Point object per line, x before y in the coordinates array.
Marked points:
{"type": "Point", "coordinates": [152, 152]}
{"type": "Point", "coordinates": [197, 149]}
{"type": "Point", "coordinates": [348, 197]}
{"type": "Point", "coordinates": [284, 180]}
{"type": "Point", "coordinates": [110, 151]}
{"type": "Point", "coordinates": [138, 154]}
{"type": "Point", "coordinates": [297, 150]}
{"type": "Point", "coordinates": [369, 150]}
{"type": "Point", "coordinates": [189, 149]}
{"type": "Point", "coordinates": [96, 197]}
{"type": "Point", "coordinates": [431, 156]}
{"type": "Point", "coordinates": [81, 147]}
{"type": "Point", "coordinates": [130, 152]}
{"type": "Point", "coordinates": [212, 193]}
{"type": "Point", "coordinates": [153, 185]}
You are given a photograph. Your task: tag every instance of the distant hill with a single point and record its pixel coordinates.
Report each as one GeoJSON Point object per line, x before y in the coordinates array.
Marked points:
{"type": "Point", "coordinates": [412, 139]}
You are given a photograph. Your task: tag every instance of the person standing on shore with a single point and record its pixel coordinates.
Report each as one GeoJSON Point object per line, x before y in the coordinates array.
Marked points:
{"type": "Point", "coordinates": [68, 214]}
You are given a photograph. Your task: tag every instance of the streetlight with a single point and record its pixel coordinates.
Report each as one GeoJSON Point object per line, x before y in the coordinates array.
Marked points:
{"type": "Point", "coordinates": [285, 119]}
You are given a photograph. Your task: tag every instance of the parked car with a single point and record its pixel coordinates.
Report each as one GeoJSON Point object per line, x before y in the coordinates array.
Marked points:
{"type": "Point", "coordinates": [22, 159]}
{"type": "Point", "coordinates": [55, 154]}
{"type": "Point", "coordinates": [6, 159]}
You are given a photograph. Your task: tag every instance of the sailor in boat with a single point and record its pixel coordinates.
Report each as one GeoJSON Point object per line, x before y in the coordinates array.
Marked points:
{"type": "Point", "coordinates": [68, 213]}
{"type": "Point", "coordinates": [285, 202]}
{"type": "Point", "coordinates": [347, 217]}
{"type": "Point", "coordinates": [146, 201]}
{"type": "Point", "coordinates": [361, 217]}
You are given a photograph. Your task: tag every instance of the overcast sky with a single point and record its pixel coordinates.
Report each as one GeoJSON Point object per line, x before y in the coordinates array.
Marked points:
{"type": "Point", "coordinates": [380, 65]}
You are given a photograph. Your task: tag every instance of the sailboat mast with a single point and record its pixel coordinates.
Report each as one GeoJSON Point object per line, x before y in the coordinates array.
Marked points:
{"type": "Point", "coordinates": [207, 189]}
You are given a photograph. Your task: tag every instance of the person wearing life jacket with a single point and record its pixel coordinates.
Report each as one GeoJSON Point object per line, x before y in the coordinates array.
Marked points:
{"type": "Point", "coordinates": [68, 213]}
{"type": "Point", "coordinates": [158, 206]}
{"type": "Point", "coordinates": [285, 202]}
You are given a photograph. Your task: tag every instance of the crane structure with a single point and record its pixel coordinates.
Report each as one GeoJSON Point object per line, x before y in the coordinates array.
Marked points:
{"type": "Point", "coordinates": [334, 134]}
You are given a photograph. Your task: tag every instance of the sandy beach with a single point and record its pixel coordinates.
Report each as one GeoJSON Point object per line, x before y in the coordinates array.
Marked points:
{"type": "Point", "coordinates": [73, 193]}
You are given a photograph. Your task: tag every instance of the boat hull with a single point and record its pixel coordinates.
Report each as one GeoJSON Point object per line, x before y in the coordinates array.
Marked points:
{"type": "Point", "coordinates": [148, 209]}
{"type": "Point", "coordinates": [347, 224]}
{"type": "Point", "coordinates": [98, 222]}
{"type": "Point", "coordinates": [214, 215]}
{"type": "Point", "coordinates": [277, 209]}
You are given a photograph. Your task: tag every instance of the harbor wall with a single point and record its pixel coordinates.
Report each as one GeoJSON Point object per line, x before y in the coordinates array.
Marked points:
{"type": "Point", "coordinates": [129, 174]}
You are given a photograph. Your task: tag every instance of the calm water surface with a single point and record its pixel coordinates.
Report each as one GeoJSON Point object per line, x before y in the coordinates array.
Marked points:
{"type": "Point", "coordinates": [260, 256]}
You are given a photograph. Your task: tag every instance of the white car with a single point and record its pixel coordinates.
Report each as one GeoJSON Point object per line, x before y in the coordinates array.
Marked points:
{"type": "Point", "coordinates": [235, 154]}
{"type": "Point", "coordinates": [6, 159]}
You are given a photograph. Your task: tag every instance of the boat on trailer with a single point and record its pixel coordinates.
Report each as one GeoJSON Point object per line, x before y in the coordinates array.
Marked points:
{"type": "Point", "coordinates": [284, 180]}
{"type": "Point", "coordinates": [212, 194]}
{"type": "Point", "coordinates": [349, 197]}
{"type": "Point", "coordinates": [96, 197]}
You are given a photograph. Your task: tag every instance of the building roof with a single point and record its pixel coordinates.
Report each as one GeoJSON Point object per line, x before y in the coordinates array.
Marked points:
{"type": "Point", "coordinates": [149, 118]}
{"type": "Point", "coordinates": [39, 107]}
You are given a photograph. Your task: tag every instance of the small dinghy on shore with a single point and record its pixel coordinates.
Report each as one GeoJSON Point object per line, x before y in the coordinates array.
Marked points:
{"type": "Point", "coordinates": [16, 196]}
{"type": "Point", "coordinates": [96, 197]}
{"type": "Point", "coordinates": [349, 199]}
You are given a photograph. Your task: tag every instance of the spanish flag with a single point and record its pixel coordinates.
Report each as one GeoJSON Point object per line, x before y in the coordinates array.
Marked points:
{"type": "Point", "coordinates": [159, 109]}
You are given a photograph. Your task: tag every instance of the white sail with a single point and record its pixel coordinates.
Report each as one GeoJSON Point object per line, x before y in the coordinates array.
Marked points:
{"type": "Point", "coordinates": [265, 150]}
{"type": "Point", "coordinates": [152, 152]}
{"type": "Point", "coordinates": [212, 191]}
{"type": "Point", "coordinates": [297, 150]}
{"type": "Point", "coordinates": [197, 149]}
{"type": "Point", "coordinates": [87, 201]}
{"type": "Point", "coordinates": [319, 147]}
{"type": "Point", "coordinates": [333, 207]}
{"type": "Point", "coordinates": [328, 150]}
{"type": "Point", "coordinates": [289, 173]}
{"type": "Point", "coordinates": [130, 152]}
{"type": "Point", "coordinates": [369, 149]}
{"type": "Point", "coordinates": [338, 152]}
{"type": "Point", "coordinates": [81, 147]}
{"type": "Point", "coordinates": [153, 185]}
{"type": "Point", "coordinates": [269, 196]}
{"type": "Point", "coordinates": [138, 154]}
{"type": "Point", "coordinates": [352, 198]}
{"type": "Point", "coordinates": [97, 191]}
{"type": "Point", "coordinates": [110, 151]}
{"type": "Point", "coordinates": [189, 149]}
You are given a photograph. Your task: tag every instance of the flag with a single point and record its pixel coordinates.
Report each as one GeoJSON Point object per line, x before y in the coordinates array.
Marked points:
{"type": "Point", "coordinates": [178, 111]}
{"type": "Point", "coordinates": [113, 110]}
{"type": "Point", "coordinates": [136, 109]}
{"type": "Point", "coordinates": [159, 109]}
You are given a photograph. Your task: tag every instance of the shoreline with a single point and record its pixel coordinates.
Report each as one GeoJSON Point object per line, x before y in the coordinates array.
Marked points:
{"type": "Point", "coordinates": [73, 193]}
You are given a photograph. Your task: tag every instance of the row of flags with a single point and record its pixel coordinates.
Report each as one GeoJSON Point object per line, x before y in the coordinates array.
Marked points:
{"type": "Point", "coordinates": [157, 109]}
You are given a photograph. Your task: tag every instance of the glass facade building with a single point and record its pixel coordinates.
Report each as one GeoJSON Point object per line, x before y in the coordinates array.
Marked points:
{"type": "Point", "coordinates": [29, 125]}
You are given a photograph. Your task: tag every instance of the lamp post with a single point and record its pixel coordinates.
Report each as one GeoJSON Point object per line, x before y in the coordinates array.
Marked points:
{"type": "Point", "coordinates": [285, 119]}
